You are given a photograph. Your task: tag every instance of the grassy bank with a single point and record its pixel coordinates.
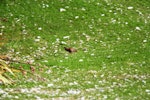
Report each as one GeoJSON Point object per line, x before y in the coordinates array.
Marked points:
{"type": "Point", "coordinates": [111, 38]}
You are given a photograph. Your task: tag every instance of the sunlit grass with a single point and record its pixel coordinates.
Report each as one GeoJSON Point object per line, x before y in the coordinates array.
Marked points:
{"type": "Point", "coordinates": [112, 39]}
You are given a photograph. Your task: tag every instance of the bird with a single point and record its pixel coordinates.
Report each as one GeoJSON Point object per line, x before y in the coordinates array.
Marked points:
{"type": "Point", "coordinates": [70, 50]}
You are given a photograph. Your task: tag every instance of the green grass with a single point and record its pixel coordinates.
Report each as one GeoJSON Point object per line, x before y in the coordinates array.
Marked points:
{"type": "Point", "coordinates": [112, 39]}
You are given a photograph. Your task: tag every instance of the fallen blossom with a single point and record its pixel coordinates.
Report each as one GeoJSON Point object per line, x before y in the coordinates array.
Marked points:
{"type": "Point", "coordinates": [62, 9]}
{"type": "Point", "coordinates": [39, 28]}
{"type": "Point", "coordinates": [66, 37]}
{"type": "Point", "coordinates": [137, 28]}
{"type": "Point", "coordinates": [80, 60]}
{"type": "Point", "coordinates": [37, 40]}
{"type": "Point", "coordinates": [50, 85]}
{"type": "Point", "coordinates": [144, 41]}
{"type": "Point", "coordinates": [130, 8]}
{"type": "Point", "coordinates": [76, 17]}
{"type": "Point", "coordinates": [74, 92]}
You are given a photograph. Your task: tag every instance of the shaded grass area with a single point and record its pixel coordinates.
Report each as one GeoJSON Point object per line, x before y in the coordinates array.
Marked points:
{"type": "Point", "coordinates": [112, 39]}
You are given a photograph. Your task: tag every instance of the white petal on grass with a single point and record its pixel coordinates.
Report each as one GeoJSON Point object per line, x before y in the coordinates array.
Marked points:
{"type": "Point", "coordinates": [105, 96]}
{"type": "Point", "coordinates": [67, 70]}
{"type": "Point", "coordinates": [62, 42]}
{"type": "Point", "coordinates": [16, 97]}
{"type": "Point", "coordinates": [66, 37]}
{"type": "Point", "coordinates": [66, 57]}
{"type": "Point", "coordinates": [67, 7]}
{"type": "Point", "coordinates": [146, 21]}
{"type": "Point", "coordinates": [115, 13]}
{"type": "Point", "coordinates": [55, 51]}
{"type": "Point", "coordinates": [140, 13]}
{"type": "Point", "coordinates": [38, 98]}
{"type": "Point", "coordinates": [130, 8]}
{"type": "Point", "coordinates": [45, 61]}
{"type": "Point", "coordinates": [101, 90]}
{"type": "Point", "coordinates": [102, 75]}
{"type": "Point", "coordinates": [73, 83]}
{"type": "Point", "coordinates": [144, 81]}
{"type": "Point", "coordinates": [31, 61]}
{"type": "Point", "coordinates": [17, 53]}
{"type": "Point", "coordinates": [117, 98]}
{"type": "Point", "coordinates": [50, 85]}
{"type": "Point", "coordinates": [24, 32]}
{"type": "Point", "coordinates": [126, 23]}
{"type": "Point", "coordinates": [90, 89]}
{"type": "Point", "coordinates": [40, 28]}
{"type": "Point", "coordinates": [57, 39]}
{"type": "Point", "coordinates": [11, 14]}
{"type": "Point", "coordinates": [17, 20]}
{"type": "Point", "coordinates": [88, 82]}
{"type": "Point", "coordinates": [74, 92]}
{"type": "Point", "coordinates": [92, 54]}
{"type": "Point", "coordinates": [82, 98]}
{"type": "Point", "coordinates": [62, 9]}
{"type": "Point", "coordinates": [92, 71]}
{"type": "Point", "coordinates": [144, 41]}
{"type": "Point", "coordinates": [2, 26]}
{"type": "Point", "coordinates": [83, 9]}
{"type": "Point", "coordinates": [102, 14]}
{"type": "Point", "coordinates": [109, 56]}
{"type": "Point", "coordinates": [2, 91]}
{"type": "Point", "coordinates": [36, 40]}
{"type": "Point", "coordinates": [76, 17]}
{"type": "Point", "coordinates": [113, 20]}
{"type": "Point", "coordinates": [110, 10]}
{"type": "Point", "coordinates": [137, 28]}
{"type": "Point", "coordinates": [80, 60]}
{"type": "Point", "coordinates": [48, 71]}
{"type": "Point", "coordinates": [38, 37]}
{"type": "Point", "coordinates": [147, 90]}
{"type": "Point", "coordinates": [45, 5]}
{"type": "Point", "coordinates": [24, 90]}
